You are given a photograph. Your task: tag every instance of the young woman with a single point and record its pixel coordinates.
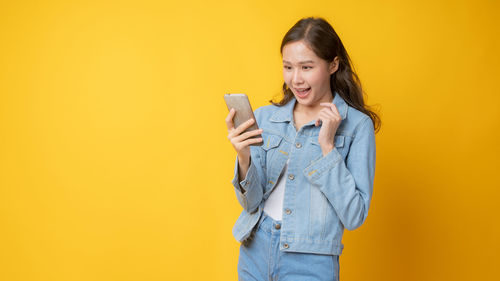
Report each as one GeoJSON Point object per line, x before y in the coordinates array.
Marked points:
{"type": "Point", "coordinates": [313, 176]}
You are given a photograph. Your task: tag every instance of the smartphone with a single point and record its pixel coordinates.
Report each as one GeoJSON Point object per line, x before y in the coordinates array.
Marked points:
{"type": "Point", "coordinates": [243, 113]}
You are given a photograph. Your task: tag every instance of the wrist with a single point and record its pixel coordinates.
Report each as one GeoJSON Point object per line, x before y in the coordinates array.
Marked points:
{"type": "Point", "coordinates": [327, 148]}
{"type": "Point", "coordinates": [244, 160]}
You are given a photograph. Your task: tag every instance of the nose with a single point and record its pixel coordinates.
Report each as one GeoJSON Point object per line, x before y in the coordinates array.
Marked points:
{"type": "Point", "coordinates": [296, 78]}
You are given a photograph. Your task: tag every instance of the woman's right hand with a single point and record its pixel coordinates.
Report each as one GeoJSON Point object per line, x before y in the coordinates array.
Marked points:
{"type": "Point", "coordinates": [241, 141]}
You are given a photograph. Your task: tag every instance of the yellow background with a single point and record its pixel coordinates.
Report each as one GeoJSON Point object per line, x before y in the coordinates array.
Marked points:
{"type": "Point", "coordinates": [114, 158]}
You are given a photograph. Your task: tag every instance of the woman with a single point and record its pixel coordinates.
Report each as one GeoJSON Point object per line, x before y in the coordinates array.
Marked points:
{"type": "Point", "coordinates": [313, 175]}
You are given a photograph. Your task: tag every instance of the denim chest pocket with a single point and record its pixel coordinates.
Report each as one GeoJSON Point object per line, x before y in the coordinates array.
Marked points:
{"type": "Point", "coordinates": [271, 141]}
{"type": "Point", "coordinates": [275, 153]}
{"type": "Point", "coordinates": [340, 143]}
{"type": "Point", "coordinates": [271, 147]}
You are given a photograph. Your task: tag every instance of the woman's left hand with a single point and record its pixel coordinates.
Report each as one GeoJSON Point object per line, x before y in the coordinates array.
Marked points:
{"type": "Point", "coordinates": [330, 119]}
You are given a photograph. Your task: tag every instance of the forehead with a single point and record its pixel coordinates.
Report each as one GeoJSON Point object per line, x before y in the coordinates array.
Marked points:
{"type": "Point", "coordinates": [299, 53]}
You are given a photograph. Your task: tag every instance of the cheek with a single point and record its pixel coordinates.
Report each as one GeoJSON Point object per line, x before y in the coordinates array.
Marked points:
{"type": "Point", "coordinates": [318, 79]}
{"type": "Point", "coordinates": [286, 73]}
{"type": "Point", "coordinates": [287, 77]}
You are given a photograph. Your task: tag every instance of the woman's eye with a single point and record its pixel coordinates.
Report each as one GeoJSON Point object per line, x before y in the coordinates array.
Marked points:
{"type": "Point", "coordinates": [304, 67]}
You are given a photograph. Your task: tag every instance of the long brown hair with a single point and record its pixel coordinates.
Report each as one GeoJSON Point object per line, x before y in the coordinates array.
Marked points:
{"type": "Point", "coordinates": [320, 36]}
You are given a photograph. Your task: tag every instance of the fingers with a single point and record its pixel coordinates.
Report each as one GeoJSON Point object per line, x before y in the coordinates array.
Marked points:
{"type": "Point", "coordinates": [240, 139]}
{"type": "Point", "coordinates": [243, 141]}
{"type": "Point", "coordinates": [229, 119]}
{"type": "Point", "coordinates": [318, 121]}
{"type": "Point", "coordinates": [246, 135]}
{"type": "Point", "coordinates": [242, 127]}
{"type": "Point", "coordinates": [250, 141]}
{"type": "Point", "coordinates": [323, 116]}
{"type": "Point", "coordinates": [330, 112]}
{"type": "Point", "coordinates": [332, 106]}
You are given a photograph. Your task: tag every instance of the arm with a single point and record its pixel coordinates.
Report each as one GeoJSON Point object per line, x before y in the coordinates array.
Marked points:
{"type": "Point", "coordinates": [348, 185]}
{"type": "Point", "coordinates": [250, 190]}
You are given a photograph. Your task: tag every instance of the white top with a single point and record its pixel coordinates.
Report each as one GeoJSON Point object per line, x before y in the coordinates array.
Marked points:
{"type": "Point", "coordinates": [274, 203]}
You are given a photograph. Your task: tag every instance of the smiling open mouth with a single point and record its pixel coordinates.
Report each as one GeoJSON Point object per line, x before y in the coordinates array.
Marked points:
{"type": "Point", "coordinates": [303, 93]}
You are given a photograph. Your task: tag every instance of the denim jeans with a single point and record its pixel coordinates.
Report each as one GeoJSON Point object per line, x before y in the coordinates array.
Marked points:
{"type": "Point", "coordinates": [260, 258]}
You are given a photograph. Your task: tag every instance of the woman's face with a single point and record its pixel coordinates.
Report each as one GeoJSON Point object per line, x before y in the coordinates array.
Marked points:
{"type": "Point", "coordinates": [303, 70]}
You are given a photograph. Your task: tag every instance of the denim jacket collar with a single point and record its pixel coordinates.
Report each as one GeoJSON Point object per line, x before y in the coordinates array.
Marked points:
{"type": "Point", "coordinates": [285, 112]}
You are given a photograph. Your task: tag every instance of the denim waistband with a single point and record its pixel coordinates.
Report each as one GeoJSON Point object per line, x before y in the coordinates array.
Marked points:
{"type": "Point", "coordinates": [268, 224]}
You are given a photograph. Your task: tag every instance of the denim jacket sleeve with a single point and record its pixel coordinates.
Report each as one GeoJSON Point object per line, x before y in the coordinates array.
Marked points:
{"type": "Point", "coordinates": [348, 185]}
{"type": "Point", "coordinates": [250, 190]}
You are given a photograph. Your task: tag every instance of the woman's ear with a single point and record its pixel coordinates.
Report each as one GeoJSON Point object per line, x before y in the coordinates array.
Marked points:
{"type": "Point", "coordinates": [334, 65]}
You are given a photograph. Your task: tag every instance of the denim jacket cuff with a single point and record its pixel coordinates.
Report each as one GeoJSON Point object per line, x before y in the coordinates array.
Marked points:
{"type": "Point", "coordinates": [321, 165]}
{"type": "Point", "coordinates": [243, 188]}
{"type": "Point", "coordinates": [251, 176]}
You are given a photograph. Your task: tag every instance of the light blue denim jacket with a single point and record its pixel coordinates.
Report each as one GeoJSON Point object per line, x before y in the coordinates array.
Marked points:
{"type": "Point", "coordinates": [323, 194]}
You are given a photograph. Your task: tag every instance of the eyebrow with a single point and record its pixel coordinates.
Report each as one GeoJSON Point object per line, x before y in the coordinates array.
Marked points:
{"type": "Point", "coordinates": [301, 62]}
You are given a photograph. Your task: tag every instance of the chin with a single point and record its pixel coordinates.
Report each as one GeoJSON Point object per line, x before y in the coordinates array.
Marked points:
{"type": "Point", "coordinates": [307, 101]}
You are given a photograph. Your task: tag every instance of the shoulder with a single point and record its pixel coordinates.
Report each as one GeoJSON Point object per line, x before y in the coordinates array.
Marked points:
{"type": "Point", "coordinates": [357, 120]}
{"type": "Point", "coordinates": [355, 116]}
{"type": "Point", "coordinates": [265, 111]}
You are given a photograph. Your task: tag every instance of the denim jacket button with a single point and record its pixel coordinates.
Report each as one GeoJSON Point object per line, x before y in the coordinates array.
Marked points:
{"type": "Point", "coordinates": [291, 176]}
{"type": "Point", "coordinates": [277, 226]}
{"type": "Point", "coordinates": [285, 246]}
{"type": "Point", "coordinates": [298, 145]}
{"type": "Point", "coordinates": [288, 211]}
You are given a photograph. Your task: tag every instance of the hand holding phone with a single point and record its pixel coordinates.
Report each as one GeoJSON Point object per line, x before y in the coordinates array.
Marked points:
{"type": "Point", "coordinates": [246, 132]}
{"type": "Point", "coordinates": [243, 113]}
